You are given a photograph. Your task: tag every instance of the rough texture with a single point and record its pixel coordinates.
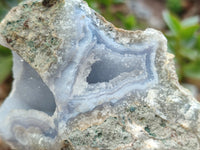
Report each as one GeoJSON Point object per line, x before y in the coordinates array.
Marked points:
{"type": "Point", "coordinates": [80, 83]}
{"type": "Point", "coordinates": [33, 23]}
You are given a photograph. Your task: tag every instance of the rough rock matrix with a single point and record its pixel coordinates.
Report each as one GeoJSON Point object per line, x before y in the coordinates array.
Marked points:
{"type": "Point", "coordinates": [82, 84]}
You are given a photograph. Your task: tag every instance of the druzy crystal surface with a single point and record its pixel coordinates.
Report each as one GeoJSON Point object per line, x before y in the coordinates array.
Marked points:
{"type": "Point", "coordinates": [81, 83]}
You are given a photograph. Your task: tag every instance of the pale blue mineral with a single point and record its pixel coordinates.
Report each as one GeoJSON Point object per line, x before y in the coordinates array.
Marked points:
{"type": "Point", "coordinates": [80, 83]}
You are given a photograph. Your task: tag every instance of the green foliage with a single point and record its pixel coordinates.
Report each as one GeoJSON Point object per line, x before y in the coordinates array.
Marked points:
{"type": "Point", "coordinates": [5, 63]}
{"type": "Point", "coordinates": [93, 4]}
{"type": "Point", "coordinates": [128, 21]}
{"type": "Point", "coordinates": [174, 5]}
{"type": "Point", "coordinates": [184, 42]}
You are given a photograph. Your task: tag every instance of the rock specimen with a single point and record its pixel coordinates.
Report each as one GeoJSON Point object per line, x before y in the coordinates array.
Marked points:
{"type": "Point", "coordinates": [80, 83]}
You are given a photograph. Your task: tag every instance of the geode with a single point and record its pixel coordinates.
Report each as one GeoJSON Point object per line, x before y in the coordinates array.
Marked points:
{"type": "Point", "coordinates": [81, 83]}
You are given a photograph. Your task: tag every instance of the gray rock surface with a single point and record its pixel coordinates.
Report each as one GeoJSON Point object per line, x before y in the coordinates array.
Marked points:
{"type": "Point", "coordinates": [80, 83]}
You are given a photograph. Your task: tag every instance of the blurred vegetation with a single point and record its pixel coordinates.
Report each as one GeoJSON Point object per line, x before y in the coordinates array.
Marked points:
{"type": "Point", "coordinates": [174, 6]}
{"type": "Point", "coordinates": [184, 41]}
{"type": "Point", "coordinates": [183, 35]}
{"type": "Point", "coordinates": [5, 63]}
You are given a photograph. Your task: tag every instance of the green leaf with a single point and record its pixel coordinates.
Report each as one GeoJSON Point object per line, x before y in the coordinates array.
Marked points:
{"type": "Point", "coordinates": [174, 5]}
{"type": "Point", "coordinates": [129, 22]}
{"type": "Point", "coordinates": [4, 51]}
{"type": "Point", "coordinates": [198, 42]}
{"type": "Point", "coordinates": [118, 1]}
{"type": "Point", "coordinates": [192, 70]}
{"type": "Point", "coordinates": [5, 67]}
{"type": "Point", "coordinates": [191, 54]}
{"type": "Point", "coordinates": [93, 4]}
{"type": "Point", "coordinates": [172, 22]}
{"type": "Point", "coordinates": [107, 3]}
{"type": "Point", "coordinates": [188, 43]}
{"type": "Point", "coordinates": [189, 31]}
{"type": "Point", "coordinates": [190, 21]}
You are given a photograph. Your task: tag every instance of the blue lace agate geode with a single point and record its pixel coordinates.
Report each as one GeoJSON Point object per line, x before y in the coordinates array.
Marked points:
{"type": "Point", "coordinates": [69, 61]}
